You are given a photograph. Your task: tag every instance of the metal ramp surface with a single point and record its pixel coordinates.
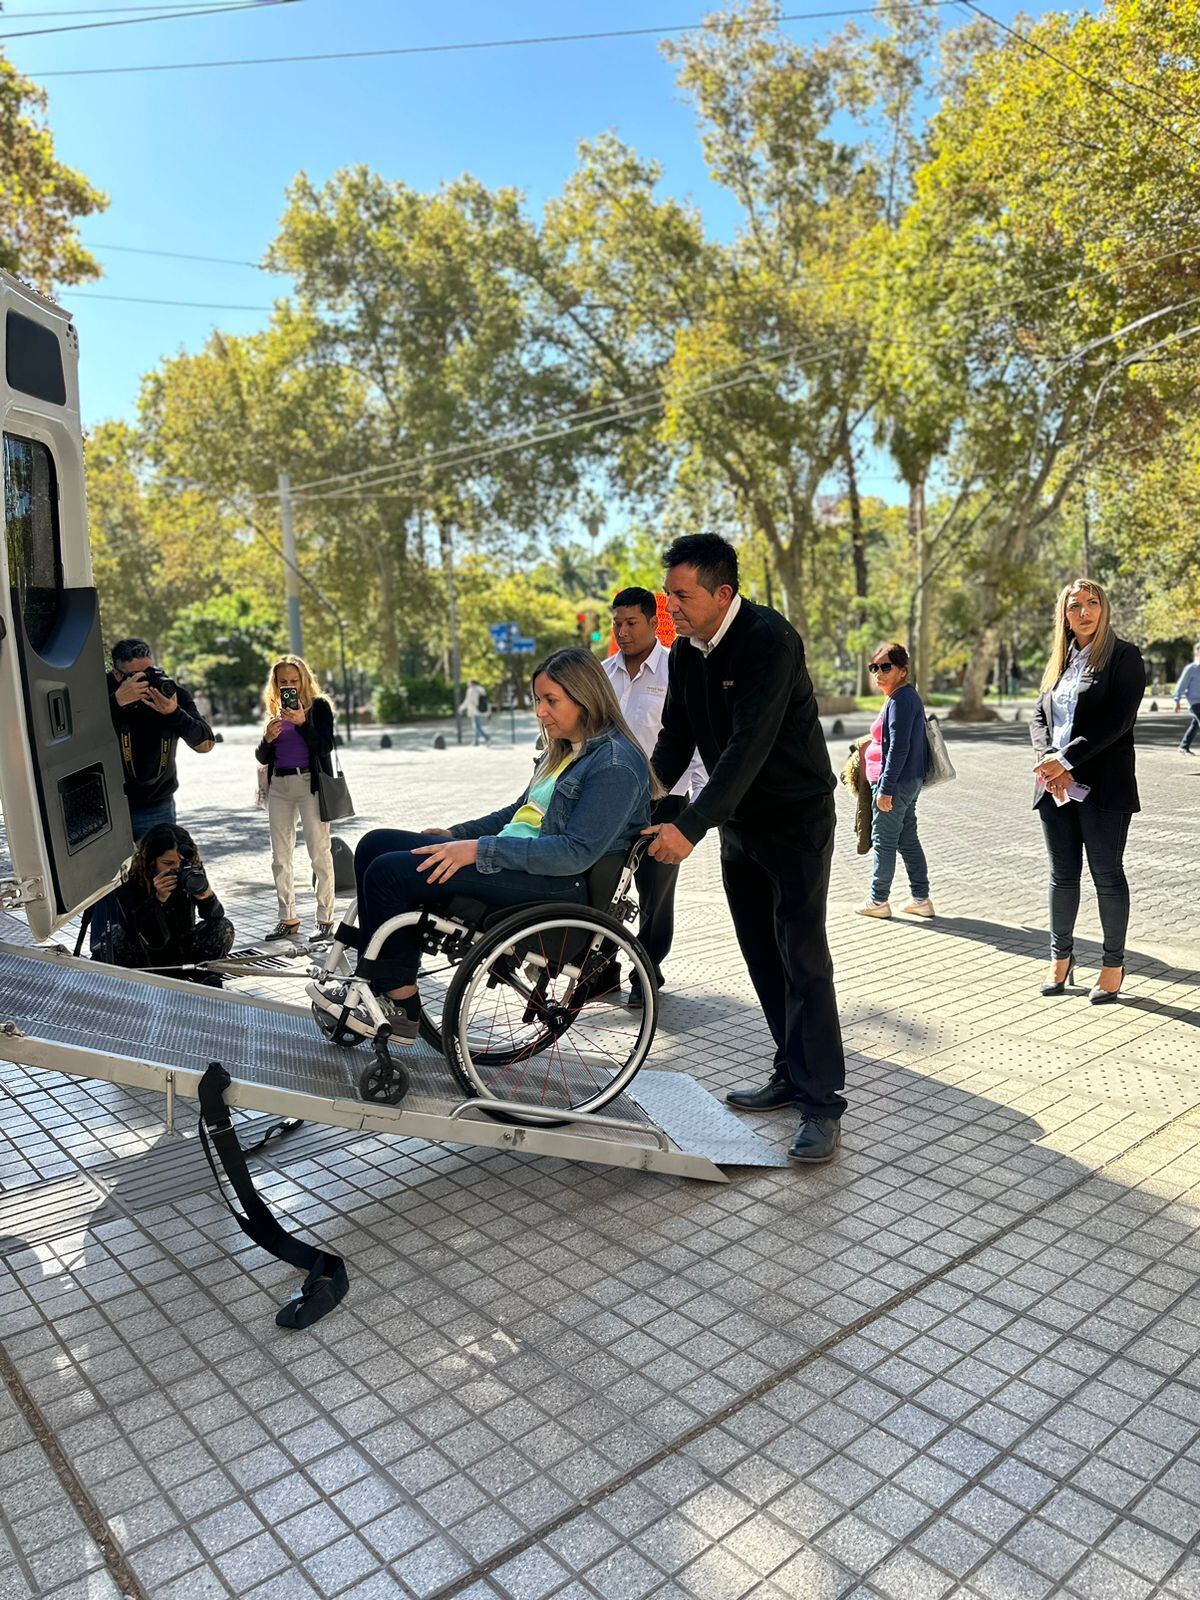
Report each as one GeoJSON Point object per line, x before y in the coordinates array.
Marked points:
{"type": "Point", "coordinates": [75, 1016]}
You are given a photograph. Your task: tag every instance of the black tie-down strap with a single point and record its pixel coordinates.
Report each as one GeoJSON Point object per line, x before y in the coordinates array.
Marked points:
{"type": "Point", "coordinates": [327, 1280]}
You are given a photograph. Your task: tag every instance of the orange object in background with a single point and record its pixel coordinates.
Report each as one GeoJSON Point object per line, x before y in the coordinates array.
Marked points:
{"type": "Point", "coordinates": [664, 627]}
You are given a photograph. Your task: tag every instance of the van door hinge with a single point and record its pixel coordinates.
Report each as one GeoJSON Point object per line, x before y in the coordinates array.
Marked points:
{"type": "Point", "coordinates": [21, 891]}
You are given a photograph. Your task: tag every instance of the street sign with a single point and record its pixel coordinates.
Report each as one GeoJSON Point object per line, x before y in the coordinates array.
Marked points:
{"type": "Point", "coordinates": [522, 647]}
{"type": "Point", "coordinates": [503, 634]}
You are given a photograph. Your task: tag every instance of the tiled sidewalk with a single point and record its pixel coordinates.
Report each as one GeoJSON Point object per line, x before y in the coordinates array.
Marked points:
{"type": "Point", "coordinates": [964, 1360]}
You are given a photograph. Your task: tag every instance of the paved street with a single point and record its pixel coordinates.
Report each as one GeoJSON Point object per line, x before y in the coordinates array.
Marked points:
{"type": "Point", "coordinates": [963, 1361]}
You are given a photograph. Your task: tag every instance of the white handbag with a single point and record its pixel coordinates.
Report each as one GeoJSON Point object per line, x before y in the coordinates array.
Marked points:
{"type": "Point", "coordinates": [938, 767]}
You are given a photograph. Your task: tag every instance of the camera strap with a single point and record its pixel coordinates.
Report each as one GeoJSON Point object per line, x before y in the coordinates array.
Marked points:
{"type": "Point", "coordinates": [327, 1281]}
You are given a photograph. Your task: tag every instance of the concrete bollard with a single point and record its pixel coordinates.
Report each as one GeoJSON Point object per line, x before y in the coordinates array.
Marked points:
{"type": "Point", "coordinates": [838, 729]}
{"type": "Point", "coordinates": [439, 742]}
{"type": "Point", "coordinates": [386, 742]}
{"type": "Point", "coordinates": [1154, 705]}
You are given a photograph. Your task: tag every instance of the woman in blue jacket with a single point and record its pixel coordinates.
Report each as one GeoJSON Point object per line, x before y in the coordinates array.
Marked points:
{"type": "Point", "coordinates": [895, 761]}
{"type": "Point", "coordinates": [590, 796]}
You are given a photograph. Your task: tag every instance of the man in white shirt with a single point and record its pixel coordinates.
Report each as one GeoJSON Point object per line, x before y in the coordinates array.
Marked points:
{"type": "Point", "coordinates": [639, 678]}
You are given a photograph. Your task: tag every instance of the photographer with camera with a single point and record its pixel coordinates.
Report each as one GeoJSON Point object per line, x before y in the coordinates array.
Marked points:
{"type": "Point", "coordinates": [165, 915]}
{"type": "Point", "coordinates": [296, 748]}
{"type": "Point", "coordinates": [151, 713]}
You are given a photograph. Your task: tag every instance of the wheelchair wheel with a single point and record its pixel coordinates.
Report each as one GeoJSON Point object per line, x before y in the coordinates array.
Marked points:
{"type": "Point", "coordinates": [527, 1018]}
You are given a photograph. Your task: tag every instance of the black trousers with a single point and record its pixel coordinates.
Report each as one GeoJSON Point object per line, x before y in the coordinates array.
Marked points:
{"type": "Point", "coordinates": [777, 886]}
{"type": "Point", "coordinates": [656, 891]}
{"type": "Point", "coordinates": [1072, 830]}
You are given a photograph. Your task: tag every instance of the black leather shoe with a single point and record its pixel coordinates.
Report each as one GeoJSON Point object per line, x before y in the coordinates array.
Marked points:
{"type": "Point", "coordinates": [816, 1141]}
{"type": "Point", "coordinates": [776, 1093]}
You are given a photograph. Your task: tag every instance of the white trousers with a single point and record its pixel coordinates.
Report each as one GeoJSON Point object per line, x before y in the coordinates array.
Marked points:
{"type": "Point", "coordinates": [287, 799]}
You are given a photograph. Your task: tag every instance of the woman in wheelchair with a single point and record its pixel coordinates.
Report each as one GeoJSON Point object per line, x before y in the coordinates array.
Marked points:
{"type": "Point", "coordinates": [589, 796]}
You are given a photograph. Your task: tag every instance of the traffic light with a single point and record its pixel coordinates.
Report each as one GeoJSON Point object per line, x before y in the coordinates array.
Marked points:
{"type": "Point", "coordinates": [590, 630]}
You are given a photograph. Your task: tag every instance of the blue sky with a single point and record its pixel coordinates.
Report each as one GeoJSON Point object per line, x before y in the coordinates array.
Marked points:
{"type": "Point", "coordinates": [197, 161]}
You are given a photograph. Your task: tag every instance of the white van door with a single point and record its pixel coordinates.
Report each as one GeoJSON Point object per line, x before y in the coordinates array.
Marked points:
{"type": "Point", "coordinates": [61, 787]}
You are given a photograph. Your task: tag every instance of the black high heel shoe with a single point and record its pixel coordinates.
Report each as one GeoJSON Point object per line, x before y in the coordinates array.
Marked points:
{"type": "Point", "coordinates": [1067, 981]}
{"type": "Point", "coordinates": [1105, 997]}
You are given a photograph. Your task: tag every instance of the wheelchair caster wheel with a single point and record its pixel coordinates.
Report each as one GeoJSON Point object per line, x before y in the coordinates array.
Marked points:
{"type": "Point", "coordinates": [333, 1029]}
{"type": "Point", "coordinates": [383, 1080]}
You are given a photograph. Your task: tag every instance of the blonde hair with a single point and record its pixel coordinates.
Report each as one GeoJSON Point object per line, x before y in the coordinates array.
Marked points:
{"type": "Point", "coordinates": [583, 680]}
{"type": "Point", "coordinates": [310, 689]}
{"type": "Point", "coordinates": [1060, 644]}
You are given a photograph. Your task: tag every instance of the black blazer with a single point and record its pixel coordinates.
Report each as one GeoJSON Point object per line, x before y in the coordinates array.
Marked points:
{"type": "Point", "coordinates": [1100, 749]}
{"type": "Point", "coordinates": [317, 731]}
{"type": "Point", "coordinates": [749, 708]}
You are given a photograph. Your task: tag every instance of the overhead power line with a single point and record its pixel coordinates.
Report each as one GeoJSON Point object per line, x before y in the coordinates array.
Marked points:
{"type": "Point", "coordinates": [145, 300]}
{"type": "Point", "coordinates": [474, 44]}
{"type": "Point", "coordinates": [162, 16]}
{"type": "Point", "coordinates": [111, 11]}
{"type": "Point", "coordinates": [174, 255]}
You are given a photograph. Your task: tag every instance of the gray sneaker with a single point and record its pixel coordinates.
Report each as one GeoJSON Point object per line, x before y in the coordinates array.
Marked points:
{"type": "Point", "coordinates": [405, 1029]}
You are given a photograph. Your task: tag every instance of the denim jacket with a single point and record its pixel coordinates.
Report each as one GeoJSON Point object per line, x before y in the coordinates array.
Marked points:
{"type": "Point", "coordinates": [599, 805]}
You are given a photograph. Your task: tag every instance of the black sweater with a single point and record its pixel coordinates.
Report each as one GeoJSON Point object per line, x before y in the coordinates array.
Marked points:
{"type": "Point", "coordinates": [749, 708]}
{"type": "Point", "coordinates": [1100, 749]}
{"type": "Point", "coordinates": [317, 731]}
{"type": "Point", "coordinates": [148, 742]}
{"type": "Point", "coordinates": [163, 927]}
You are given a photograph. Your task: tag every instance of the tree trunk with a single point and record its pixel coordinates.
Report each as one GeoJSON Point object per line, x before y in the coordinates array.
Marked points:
{"type": "Point", "coordinates": [923, 550]}
{"type": "Point", "coordinates": [446, 536]}
{"type": "Point", "coordinates": [789, 568]}
{"type": "Point", "coordinates": [858, 547]}
{"type": "Point", "coordinates": [971, 706]}
{"type": "Point", "coordinates": [389, 644]}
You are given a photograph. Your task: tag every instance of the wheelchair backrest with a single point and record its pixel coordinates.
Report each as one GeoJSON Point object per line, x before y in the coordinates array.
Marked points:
{"type": "Point", "coordinates": [604, 877]}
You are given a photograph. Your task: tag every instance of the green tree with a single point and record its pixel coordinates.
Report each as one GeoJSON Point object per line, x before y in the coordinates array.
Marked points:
{"type": "Point", "coordinates": [225, 646]}
{"type": "Point", "coordinates": [40, 196]}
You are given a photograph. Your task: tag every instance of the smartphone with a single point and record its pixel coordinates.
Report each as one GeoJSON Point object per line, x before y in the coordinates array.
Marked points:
{"type": "Point", "coordinates": [289, 699]}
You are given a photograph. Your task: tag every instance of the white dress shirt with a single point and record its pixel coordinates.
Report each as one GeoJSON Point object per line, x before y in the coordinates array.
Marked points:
{"type": "Point", "coordinates": [1063, 699]}
{"type": "Point", "coordinates": [641, 699]}
{"type": "Point", "coordinates": [709, 645]}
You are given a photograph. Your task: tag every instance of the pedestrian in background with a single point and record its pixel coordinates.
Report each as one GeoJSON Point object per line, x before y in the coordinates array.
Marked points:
{"type": "Point", "coordinates": [1188, 688]}
{"type": "Point", "coordinates": [296, 748]}
{"type": "Point", "coordinates": [475, 706]}
{"type": "Point", "coordinates": [1086, 784]}
{"type": "Point", "coordinates": [638, 674]}
{"type": "Point", "coordinates": [895, 759]}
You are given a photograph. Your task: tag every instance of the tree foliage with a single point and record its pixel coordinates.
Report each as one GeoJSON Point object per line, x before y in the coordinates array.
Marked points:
{"type": "Point", "coordinates": [40, 196]}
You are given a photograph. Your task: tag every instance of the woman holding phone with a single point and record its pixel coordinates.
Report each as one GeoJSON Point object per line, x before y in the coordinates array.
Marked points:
{"type": "Point", "coordinates": [296, 747]}
{"type": "Point", "coordinates": [1086, 786]}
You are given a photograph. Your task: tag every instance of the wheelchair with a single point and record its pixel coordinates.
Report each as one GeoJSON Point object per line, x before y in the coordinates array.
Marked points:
{"type": "Point", "coordinates": [520, 1000]}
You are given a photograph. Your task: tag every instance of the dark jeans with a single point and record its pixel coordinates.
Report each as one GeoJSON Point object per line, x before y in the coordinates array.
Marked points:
{"type": "Point", "coordinates": [777, 887]}
{"type": "Point", "coordinates": [389, 884]}
{"type": "Point", "coordinates": [1193, 727]}
{"type": "Point", "coordinates": [143, 818]}
{"type": "Point", "coordinates": [656, 891]}
{"type": "Point", "coordinates": [1070, 831]}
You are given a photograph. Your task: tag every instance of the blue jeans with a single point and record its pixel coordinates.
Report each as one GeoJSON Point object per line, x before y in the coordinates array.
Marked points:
{"type": "Point", "coordinates": [481, 732]}
{"type": "Point", "coordinates": [1193, 727]}
{"type": "Point", "coordinates": [389, 883]}
{"type": "Point", "coordinates": [143, 818]}
{"type": "Point", "coordinates": [1069, 831]}
{"type": "Point", "coordinates": [896, 830]}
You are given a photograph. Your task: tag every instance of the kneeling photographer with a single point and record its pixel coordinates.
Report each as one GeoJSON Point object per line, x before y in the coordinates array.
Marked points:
{"type": "Point", "coordinates": [151, 713]}
{"type": "Point", "coordinates": [165, 915]}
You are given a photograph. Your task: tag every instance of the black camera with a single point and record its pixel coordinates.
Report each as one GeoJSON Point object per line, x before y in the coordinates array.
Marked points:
{"type": "Point", "coordinates": [192, 879]}
{"type": "Point", "coordinates": [289, 699]}
{"type": "Point", "coordinates": [157, 679]}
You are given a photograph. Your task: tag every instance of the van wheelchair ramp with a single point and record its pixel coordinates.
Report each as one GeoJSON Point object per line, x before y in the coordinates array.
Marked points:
{"type": "Point", "coordinates": [142, 1031]}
